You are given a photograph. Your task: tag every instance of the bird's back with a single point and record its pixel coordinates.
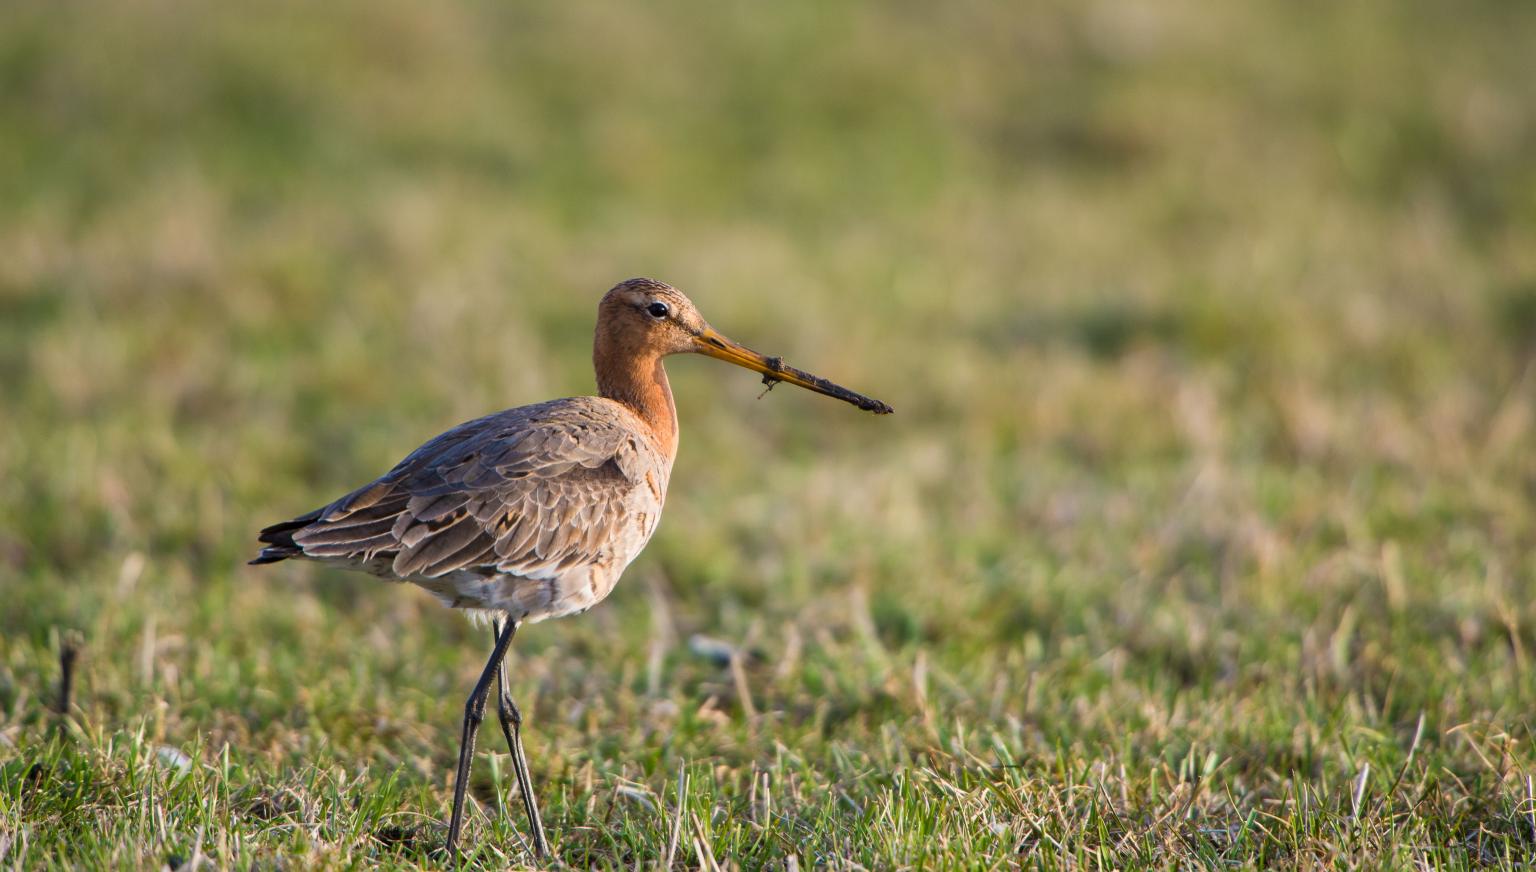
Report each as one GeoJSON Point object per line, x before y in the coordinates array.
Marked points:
{"type": "Point", "coordinates": [534, 511]}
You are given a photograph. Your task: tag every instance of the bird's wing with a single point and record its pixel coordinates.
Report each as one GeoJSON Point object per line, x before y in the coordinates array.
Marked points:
{"type": "Point", "coordinates": [532, 491]}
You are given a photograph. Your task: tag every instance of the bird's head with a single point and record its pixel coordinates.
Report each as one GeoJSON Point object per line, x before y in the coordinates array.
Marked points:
{"type": "Point", "coordinates": [645, 316]}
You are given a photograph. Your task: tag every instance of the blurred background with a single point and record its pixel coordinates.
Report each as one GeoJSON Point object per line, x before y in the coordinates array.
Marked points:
{"type": "Point", "coordinates": [1210, 330]}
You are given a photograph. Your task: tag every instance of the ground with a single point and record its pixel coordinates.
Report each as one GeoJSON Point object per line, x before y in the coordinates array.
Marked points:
{"type": "Point", "coordinates": [1202, 536]}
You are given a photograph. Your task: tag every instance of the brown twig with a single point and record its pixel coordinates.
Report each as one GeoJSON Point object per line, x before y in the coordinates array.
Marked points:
{"type": "Point", "coordinates": [69, 653]}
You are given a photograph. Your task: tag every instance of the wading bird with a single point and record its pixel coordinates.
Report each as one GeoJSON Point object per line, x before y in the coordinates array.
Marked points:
{"type": "Point", "coordinates": [534, 512]}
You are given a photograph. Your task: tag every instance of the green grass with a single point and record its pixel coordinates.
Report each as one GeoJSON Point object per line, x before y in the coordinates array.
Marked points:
{"type": "Point", "coordinates": [1204, 534]}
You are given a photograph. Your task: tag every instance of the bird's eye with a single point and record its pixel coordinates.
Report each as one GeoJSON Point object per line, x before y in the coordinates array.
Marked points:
{"type": "Point", "coordinates": [658, 309]}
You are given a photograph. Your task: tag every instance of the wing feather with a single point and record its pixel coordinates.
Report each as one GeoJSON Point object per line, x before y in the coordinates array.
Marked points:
{"type": "Point", "coordinates": [354, 548]}
{"type": "Point", "coordinates": [529, 491]}
{"type": "Point", "coordinates": [433, 550]}
{"type": "Point", "coordinates": [431, 508]}
{"type": "Point", "coordinates": [343, 533]}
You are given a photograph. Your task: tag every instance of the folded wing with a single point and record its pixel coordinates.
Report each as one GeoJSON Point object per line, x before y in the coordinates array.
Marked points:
{"type": "Point", "coordinates": [532, 491]}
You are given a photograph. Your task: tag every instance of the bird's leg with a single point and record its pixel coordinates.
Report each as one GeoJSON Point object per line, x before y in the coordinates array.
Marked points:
{"type": "Point", "coordinates": [512, 728]}
{"type": "Point", "coordinates": [474, 713]}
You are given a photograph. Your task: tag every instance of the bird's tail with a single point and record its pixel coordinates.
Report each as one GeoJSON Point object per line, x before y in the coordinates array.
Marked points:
{"type": "Point", "coordinates": [279, 540]}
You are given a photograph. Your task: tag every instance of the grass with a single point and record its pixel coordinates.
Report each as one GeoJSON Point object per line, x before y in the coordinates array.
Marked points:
{"type": "Point", "coordinates": [1203, 535]}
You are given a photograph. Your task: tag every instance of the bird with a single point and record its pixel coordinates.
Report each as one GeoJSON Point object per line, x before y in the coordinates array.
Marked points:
{"type": "Point", "coordinates": [534, 512]}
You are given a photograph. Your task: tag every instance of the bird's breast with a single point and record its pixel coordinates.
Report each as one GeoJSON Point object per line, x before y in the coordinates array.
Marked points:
{"type": "Point", "coordinates": [558, 592]}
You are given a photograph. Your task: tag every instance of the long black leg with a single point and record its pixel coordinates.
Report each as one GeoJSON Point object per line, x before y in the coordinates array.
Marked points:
{"type": "Point", "coordinates": [512, 728]}
{"type": "Point", "coordinates": [474, 713]}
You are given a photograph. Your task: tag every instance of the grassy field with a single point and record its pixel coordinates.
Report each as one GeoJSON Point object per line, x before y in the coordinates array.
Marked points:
{"type": "Point", "coordinates": [1204, 534]}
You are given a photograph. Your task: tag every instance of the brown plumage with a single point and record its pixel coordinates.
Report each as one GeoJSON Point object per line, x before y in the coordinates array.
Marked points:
{"type": "Point", "coordinates": [534, 512]}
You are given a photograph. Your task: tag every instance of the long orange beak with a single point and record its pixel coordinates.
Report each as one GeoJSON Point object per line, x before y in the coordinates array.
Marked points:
{"type": "Point", "coordinates": [709, 342]}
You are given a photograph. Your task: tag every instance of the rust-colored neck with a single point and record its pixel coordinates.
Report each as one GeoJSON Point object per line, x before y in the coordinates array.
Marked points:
{"type": "Point", "coordinates": [639, 381]}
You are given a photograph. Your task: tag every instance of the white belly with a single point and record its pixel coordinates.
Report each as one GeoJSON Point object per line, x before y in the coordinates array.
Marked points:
{"type": "Point", "coordinates": [541, 595]}
{"type": "Point", "coordinates": [526, 600]}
